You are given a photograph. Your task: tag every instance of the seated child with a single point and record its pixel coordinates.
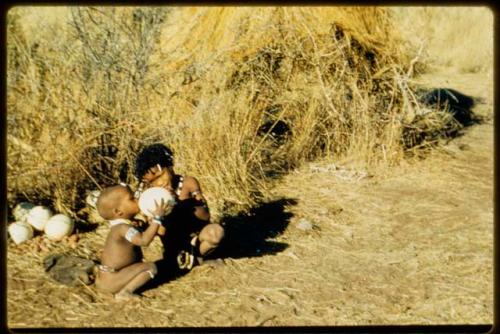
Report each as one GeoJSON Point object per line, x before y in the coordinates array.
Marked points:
{"type": "Point", "coordinates": [121, 270]}
{"type": "Point", "coordinates": [187, 234]}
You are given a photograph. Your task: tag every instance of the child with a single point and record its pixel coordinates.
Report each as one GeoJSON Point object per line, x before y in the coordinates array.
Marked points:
{"type": "Point", "coordinates": [121, 270]}
{"type": "Point", "coordinates": [187, 234]}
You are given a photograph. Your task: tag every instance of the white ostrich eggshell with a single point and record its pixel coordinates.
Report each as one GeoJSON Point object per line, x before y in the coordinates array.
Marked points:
{"type": "Point", "coordinates": [92, 197]}
{"type": "Point", "coordinates": [21, 211]}
{"type": "Point", "coordinates": [20, 232]}
{"type": "Point", "coordinates": [38, 216]}
{"type": "Point", "coordinates": [149, 196]}
{"type": "Point", "coordinates": [59, 226]}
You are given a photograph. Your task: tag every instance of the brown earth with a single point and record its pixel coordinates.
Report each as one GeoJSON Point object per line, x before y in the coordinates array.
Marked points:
{"type": "Point", "coordinates": [411, 245]}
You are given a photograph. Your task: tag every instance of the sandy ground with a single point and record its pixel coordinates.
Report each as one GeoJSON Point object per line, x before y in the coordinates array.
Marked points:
{"type": "Point", "coordinates": [412, 246]}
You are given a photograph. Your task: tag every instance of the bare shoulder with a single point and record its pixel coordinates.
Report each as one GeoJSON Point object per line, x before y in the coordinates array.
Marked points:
{"type": "Point", "coordinates": [119, 231]}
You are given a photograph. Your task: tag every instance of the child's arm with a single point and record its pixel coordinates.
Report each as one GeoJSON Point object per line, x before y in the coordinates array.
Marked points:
{"type": "Point", "coordinates": [200, 203]}
{"type": "Point", "coordinates": [141, 238]}
{"type": "Point", "coordinates": [145, 238]}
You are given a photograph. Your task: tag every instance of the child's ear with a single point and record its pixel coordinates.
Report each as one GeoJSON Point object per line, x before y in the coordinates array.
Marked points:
{"type": "Point", "coordinates": [117, 212]}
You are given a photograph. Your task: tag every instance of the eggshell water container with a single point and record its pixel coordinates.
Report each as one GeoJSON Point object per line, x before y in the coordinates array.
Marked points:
{"type": "Point", "coordinates": [22, 210]}
{"type": "Point", "coordinates": [20, 232]}
{"type": "Point", "coordinates": [58, 227]}
{"type": "Point", "coordinates": [92, 197]}
{"type": "Point", "coordinates": [38, 217]}
{"type": "Point", "coordinates": [149, 196]}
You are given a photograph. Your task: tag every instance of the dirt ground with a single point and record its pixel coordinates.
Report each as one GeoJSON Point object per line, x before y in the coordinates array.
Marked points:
{"type": "Point", "coordinates": [337, 246]}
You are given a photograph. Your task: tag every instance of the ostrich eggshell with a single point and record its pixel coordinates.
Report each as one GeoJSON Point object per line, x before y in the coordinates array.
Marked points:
{"type": "Point", "coordinates": [20, 232]}
{"type": "Point", "coordinates": [92, 197]}
{"type": "Point", "coordinates": [38, 216]}
{"type": "Point", "coordinates": [22, 210]}
{"type": "Point", "coordinates": [149, 196]}
{"type": "Point", "coordinates": [59, 226]}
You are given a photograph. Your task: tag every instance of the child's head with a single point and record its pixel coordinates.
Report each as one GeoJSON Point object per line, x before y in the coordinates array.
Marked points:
{"type": "Point", "coordinates": [117, 202]}
{"type": "Point", "coordinates": [153, 165]}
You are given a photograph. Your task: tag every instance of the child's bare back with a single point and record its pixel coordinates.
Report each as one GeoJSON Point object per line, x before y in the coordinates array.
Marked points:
{"type": "Point", "coordinates": [119, 252]}
{"type": "Point", "coordinates": [122, 271]}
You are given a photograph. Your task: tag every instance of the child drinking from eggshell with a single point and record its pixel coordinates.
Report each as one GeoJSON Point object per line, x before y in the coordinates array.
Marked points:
{"type": "Point", "coordinates": [122, 271]}
{"type": "Point", "coordinates": [187, 234]}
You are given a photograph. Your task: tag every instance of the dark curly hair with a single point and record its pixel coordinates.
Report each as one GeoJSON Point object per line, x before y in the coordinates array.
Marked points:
{"type": "Point", "coordinates": [150, 156]}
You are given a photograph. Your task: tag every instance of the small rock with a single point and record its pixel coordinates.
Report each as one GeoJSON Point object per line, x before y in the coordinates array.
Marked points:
{"type": "Point", "coordinates": [323, 211]}
{"type": "Point", "coordinates": [304, 225]}
{"type": "Point", "coordinates": [348, 234]}
{"type": "Point", "coordinates": [464, 147]}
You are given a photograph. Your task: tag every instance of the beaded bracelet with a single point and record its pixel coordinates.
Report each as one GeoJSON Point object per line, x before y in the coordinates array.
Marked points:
{"type": "Point", "coordinates": [157, 220]}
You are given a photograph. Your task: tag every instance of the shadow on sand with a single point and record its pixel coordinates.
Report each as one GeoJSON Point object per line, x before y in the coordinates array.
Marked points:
{"type": "Point", "coordinates": [446, 101]}
{"type": "Point", "coordinates": [245, 236]}
{"type": "Point", "coordinates": [456, 103]}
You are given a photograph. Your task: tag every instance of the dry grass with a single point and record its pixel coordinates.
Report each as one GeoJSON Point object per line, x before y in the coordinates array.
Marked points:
{"type": "Point", "coordinates": [204, 80]}
{"type": "Point", "coordinates": [458, 38]}
{"type": "Point", "coordinates": [82, 105]}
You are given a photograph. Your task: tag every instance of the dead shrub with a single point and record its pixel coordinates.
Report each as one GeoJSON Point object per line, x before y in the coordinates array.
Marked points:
{"type": "Point", "coordinates": [204, 81]}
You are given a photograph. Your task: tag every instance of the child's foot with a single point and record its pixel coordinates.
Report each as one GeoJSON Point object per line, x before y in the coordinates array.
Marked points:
{"type": "Point", "coordinates": [125, 295]}
{"type": "Point", "coordinates": [212, 263]}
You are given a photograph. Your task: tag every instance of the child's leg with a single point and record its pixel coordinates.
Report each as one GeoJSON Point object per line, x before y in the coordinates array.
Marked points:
{"type": "Point", "coordinates": [139, 280]}
{"type": "Point", "coordinates": [210, 237]}
{"type": "Point", "coordinates": [127, 278]}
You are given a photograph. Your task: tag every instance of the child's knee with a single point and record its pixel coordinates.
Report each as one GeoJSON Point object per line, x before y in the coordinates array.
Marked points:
{"type": "Point", "coordinates": [216, 234]}
{"type": "Point", "coordinates": [152, 270]}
